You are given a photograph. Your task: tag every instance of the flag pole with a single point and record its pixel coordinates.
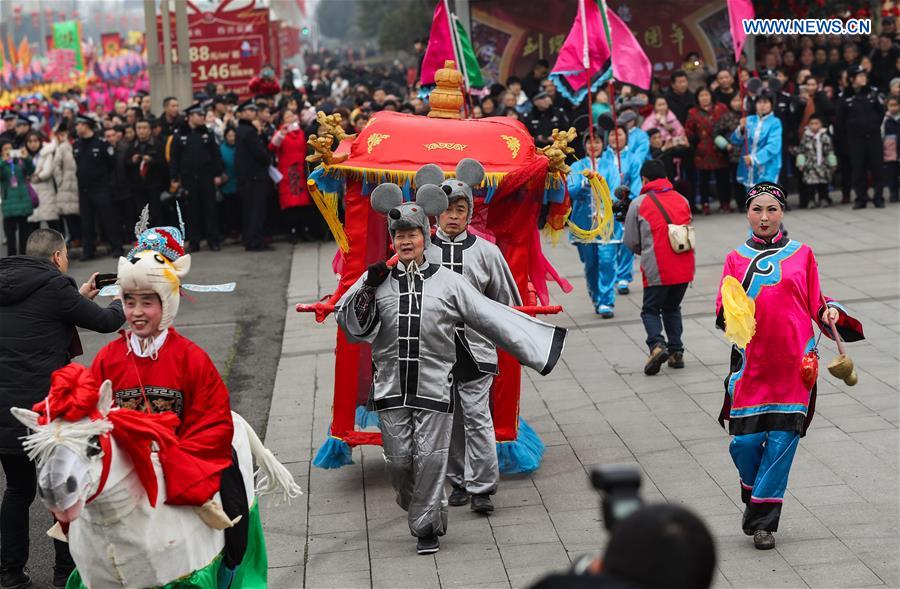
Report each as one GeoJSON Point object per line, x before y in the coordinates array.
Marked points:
{"type": "Point", "coordinates": [458, 54]}
{"type": "Point", "coordinates": [611, 87]}
{"type": "Point", "coordinates": [586, 62]}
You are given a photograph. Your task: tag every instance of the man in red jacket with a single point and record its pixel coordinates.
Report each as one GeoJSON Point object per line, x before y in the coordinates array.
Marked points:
{"type": "Point", "coordinates": [666, 273]}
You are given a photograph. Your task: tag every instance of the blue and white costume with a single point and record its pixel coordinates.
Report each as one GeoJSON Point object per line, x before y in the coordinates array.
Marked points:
{"type": "Point", "coordinates": [605, 263]}
{"type": "Point", "coordinates": [763, 147]}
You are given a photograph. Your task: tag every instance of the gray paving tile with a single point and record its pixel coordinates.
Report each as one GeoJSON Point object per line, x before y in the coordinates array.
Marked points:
{"type": "Point", "coordinates": [839, 525]}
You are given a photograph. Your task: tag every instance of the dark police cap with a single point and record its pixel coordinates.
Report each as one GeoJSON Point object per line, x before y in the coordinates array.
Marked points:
{"type": "Point", "coordinates": [247, 105]}
{"type": "Point", "coordinates": [196, 108]}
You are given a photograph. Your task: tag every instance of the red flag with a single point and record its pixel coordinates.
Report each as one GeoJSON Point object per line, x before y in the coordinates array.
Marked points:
{"type": "Point", "coordinates": [738, 10]}
{"type": "Point", "coordinates": [440, 44]}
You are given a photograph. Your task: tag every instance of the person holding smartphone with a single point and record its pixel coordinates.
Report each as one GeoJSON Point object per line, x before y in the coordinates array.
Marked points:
{"type": "Point", "coordinates": [40, 309]}
{"type": "Point", "coordinates": [288, 145]}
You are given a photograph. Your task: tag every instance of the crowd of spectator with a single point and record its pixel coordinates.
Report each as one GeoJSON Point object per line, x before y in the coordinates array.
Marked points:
{"type": "Point", "coordinates": [837, 99]}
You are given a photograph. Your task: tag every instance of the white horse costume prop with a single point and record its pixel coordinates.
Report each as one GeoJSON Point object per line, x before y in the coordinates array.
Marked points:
{"type": "Point", "coordinates": [116, 537]}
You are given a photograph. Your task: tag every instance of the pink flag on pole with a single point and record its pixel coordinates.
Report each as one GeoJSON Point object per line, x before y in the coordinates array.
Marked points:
{"type": "Point", "coordinates": [630, 64]}
{"type": "Point", "coordinates": [738, 10]}
{"type": "Point", "coordinates": [440, 44]}
{"type": "Point", "coordinates": [585, 61]}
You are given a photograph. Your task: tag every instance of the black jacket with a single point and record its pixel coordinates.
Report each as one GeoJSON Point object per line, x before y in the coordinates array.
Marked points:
{"type": "Point", "coordinates": [251, 158]}
{"type": "Point", "coordinates": [39, 310]}
{"type": "Point", "coordinates": [541, 124]}
{"type": "Point", "coordinates": [156, 178]}
{"type": "Point", "coordinates": [94, 164]}
{"type": "Point", "coordinates": [860, 113]}
{"type": "Point", "coordinates": [195, 154]}
{"type": "Point", "coordinates": [680, 104]}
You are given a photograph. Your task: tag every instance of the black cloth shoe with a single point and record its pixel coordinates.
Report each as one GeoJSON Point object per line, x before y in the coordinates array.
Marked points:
{"type": "Point", "coordinates": [482, 504]}
{"type": "Point", "coordinates": [763, 540]}
{"type": "Point", "coordinates": [879, 204]}
{"type": "Point", "coordinates": [116, 253]}
{"type": "Point", "coordinates": [859, 205]}
{"type": "Point", "coordinates": [458, 497]}
{"type": "Point", "coordinates": [86, 257]}
{"type": "Point", "coordinates": [60, 578]}
{"type": "Point", "coordinates": [656, 359]}
{"type": "Point", "coordinates": [676, 360]}
{"type": "Point", "coordinates": [428, 544]}
{"type": "Point", "coordinates": [215, 247]}
{"type": "Point", "coordinates": [15, 579]}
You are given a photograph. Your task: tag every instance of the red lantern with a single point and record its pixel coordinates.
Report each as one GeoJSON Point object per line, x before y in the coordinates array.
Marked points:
{"type": "Point", "coordinates": [809, 368]}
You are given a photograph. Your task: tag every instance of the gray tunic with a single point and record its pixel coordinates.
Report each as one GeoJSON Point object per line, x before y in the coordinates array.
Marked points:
{"type": "Point", "coordinates": [481, 263]}
{"type": "Point", "coordinates": [410, 318]}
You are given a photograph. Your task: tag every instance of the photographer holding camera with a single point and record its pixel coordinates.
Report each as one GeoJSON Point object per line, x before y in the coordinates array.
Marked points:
{"type": "Point", "coordinates": [660, 546]}
{"type": "Point", "coordinates": [40, 308]}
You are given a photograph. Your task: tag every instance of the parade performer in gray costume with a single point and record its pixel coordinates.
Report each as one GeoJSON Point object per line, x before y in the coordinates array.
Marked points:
{"type": "Point", "coordinates": [472, 463]}
{"type": "Point", "coordinates": [409, 315]}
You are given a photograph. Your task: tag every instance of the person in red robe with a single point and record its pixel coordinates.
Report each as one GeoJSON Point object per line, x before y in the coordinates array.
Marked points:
{"type": "Point", "coordinates": [154, 368]}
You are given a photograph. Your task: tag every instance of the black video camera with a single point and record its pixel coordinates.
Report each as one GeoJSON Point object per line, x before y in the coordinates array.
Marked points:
{"type": "Point", "coordinates": [621, 203]}
{"type": "Point", "coordinates": [618, 485]}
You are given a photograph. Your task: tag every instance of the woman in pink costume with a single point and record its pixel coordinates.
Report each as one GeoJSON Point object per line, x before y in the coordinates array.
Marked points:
{"type": "Point", "coordinates": [769, 399]}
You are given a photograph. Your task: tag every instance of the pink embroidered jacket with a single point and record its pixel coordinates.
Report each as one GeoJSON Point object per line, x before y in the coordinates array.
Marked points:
{"type": "Point", "coordinates": [764, 389]}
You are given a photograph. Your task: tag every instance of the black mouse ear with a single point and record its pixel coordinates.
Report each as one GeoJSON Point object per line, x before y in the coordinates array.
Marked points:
{"type": "Point", "coordinates": [470, 172]}
{"type": "Point", "coordinates": [432, 199]}
{"type": "Point", "coordinates": [429, 174]}
{"type": "Point", "coordinates": [386, 196]}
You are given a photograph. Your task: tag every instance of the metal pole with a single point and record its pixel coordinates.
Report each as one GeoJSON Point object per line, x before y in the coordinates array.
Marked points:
{"type": "Point", "coordinates": [462, 12]}
{"type": "Point", "coordinates": [166, 58]}
{"type": "Point", "coordinates": [182, 71]}
{"type": "Point", "coordinates": [156, 70]}
{"type": "Point", "coordinates": [151, 35]}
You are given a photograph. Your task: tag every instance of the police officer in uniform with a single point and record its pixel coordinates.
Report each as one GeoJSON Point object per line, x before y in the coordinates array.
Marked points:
{"type": "Point", "coordinates": [251, 160]}
{"type": "Point", "coordinates": [860, 114]}
{"type": "Point", "coordinates": [544, 118]}
{"type": "Point", "coordinates": [196, 165]}
{"type": "Point", "coordinates": [784, 106]}
{"type": "Point", "coordinates": [95, 163]}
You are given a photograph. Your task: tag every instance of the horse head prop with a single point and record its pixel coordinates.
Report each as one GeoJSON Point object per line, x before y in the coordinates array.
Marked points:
{"type": "Point", "coordinates": [72, 447]}
{"type": "Point", "coordinates": [100, 474]}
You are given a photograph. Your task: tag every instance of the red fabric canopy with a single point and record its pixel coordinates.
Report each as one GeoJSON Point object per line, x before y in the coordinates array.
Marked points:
{"type": "Point", "coordinates": [395, 142]}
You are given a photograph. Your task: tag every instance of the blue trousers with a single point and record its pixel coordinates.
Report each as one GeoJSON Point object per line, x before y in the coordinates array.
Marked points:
{"type": "Point", "coordinates": [600, 270]}
{"type": "Point", "coordinates": [624, 263]}
{"type": "Point", "coordinates": [763, 461]}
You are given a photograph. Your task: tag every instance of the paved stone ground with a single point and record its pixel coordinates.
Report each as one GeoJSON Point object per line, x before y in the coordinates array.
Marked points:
{"type": "Point", "coordinates": [840, 524]}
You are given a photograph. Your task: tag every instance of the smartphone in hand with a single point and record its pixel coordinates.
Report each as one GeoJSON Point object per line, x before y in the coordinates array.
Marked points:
{"type": "Point", "coordinates": [104, 280]}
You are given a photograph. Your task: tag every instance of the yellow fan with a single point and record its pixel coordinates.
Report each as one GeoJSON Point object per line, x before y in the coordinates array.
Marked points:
{"type": "Point", "coordinates": [740, 312]}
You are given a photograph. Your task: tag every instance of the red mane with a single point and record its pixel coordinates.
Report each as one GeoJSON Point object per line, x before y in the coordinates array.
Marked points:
{"type": "Point", "coordinates": [74, 395]}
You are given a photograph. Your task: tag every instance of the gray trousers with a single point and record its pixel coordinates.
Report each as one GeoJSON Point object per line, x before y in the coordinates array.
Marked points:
{"type": "Point", "coordinates": [415, 443]}
{"type": "Point", "coordinates": [472, 463]}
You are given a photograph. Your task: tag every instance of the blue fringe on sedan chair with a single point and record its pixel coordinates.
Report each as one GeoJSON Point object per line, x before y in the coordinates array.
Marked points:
{"type": "Point", "coordinates": [522, 455]}
{"type": "Point", "coordinates": [334, 453]}
{"type": "Point", "coordinates": [366, 418]}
